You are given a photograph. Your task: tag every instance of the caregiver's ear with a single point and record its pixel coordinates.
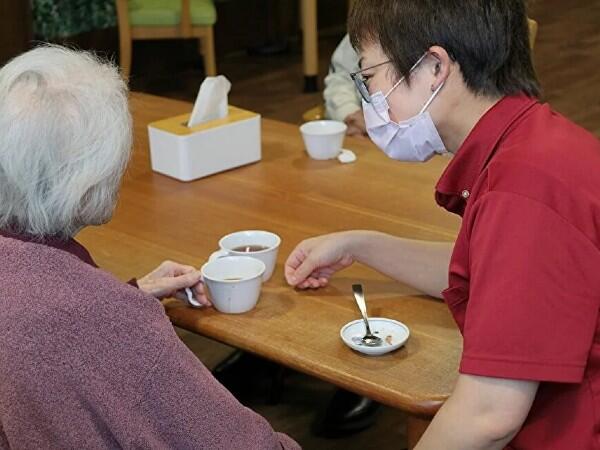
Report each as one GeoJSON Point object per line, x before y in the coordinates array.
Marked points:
{"type": "Point", "coordinates": [442, 64]}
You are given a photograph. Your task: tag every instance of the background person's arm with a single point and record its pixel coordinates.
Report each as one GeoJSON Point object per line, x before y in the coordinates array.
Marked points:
{"type": "Point", "coordinates": [482, 413]}
{"type": "Point", "coordinates": [340, 95]}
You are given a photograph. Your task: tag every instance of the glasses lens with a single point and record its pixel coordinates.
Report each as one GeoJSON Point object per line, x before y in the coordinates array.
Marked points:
{"type": "Point", "coordinates": [361, 87]}
{"type": "Point", "coordinates": [365, 91]}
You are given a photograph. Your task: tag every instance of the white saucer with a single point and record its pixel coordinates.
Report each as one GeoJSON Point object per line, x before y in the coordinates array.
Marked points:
{"type": "Point", "coordinates": [387, 329]}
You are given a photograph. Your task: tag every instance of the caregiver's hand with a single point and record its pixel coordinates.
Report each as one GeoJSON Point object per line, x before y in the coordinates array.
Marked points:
{"type": "Point", "coordinates": [315, 260]}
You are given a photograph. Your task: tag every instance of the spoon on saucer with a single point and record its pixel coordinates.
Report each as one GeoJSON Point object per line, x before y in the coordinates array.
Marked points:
{"type": "Point", "coordinates": [369, 339]}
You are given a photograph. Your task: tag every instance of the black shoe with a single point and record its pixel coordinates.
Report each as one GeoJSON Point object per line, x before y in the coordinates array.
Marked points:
{"type": "Point", "coordinates": [270, 48]}
{"type": "Point", "coordinates": [238, 372]}
{"type": "Point", "coordinates": [346, 414]}
{"type": "Point", "coordinates": [247, 376]}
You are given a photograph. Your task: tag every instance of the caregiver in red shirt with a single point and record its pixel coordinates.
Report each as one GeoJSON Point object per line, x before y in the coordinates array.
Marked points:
{"type": "Point", "coordinates": [523, 278]}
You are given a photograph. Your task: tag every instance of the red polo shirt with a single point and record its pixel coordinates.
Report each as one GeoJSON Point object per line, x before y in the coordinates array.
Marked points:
{"type": "Point", "coordinates": [524, 283]}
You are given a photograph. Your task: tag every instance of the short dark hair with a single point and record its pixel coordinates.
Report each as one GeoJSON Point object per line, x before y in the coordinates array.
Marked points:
{"type": "Point", "coordinates": [489, 39]}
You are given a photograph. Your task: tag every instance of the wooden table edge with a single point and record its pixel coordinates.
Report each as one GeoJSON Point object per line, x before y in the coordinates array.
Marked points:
{"type": "Point", "coordinates": [424, 408]}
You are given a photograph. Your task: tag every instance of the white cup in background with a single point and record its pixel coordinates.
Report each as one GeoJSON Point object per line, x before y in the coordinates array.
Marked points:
{"type": "Point", "coordinates": [323, 139]}
{"type": "Point", "coordinates": [233, 284]}
{"type": "Point", "coordinates": [262, 245]}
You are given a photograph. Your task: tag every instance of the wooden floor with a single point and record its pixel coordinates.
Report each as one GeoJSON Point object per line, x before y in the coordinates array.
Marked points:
{"type": "Point", "coordinates": [567, 58]}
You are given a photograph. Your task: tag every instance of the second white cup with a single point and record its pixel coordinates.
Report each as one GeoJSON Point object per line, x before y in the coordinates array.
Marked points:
{"type": "Point", "coordinates": [323, 139]}
{"type": "Point", "coordinates": [262, 245]}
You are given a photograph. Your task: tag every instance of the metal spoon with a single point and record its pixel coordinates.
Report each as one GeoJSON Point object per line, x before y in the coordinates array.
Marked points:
{"type": "Point", "coordinates": [369, 339]}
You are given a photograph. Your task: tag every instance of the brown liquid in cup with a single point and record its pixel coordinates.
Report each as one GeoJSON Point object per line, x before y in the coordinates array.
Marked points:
{"type": "Point", "coordinates": [232, 279]}
{"type": "Point", "coordinates": [250, 248]}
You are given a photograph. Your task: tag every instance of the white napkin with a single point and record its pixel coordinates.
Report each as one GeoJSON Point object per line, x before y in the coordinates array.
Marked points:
{"type": "Point", "coordinates": [211, 102]}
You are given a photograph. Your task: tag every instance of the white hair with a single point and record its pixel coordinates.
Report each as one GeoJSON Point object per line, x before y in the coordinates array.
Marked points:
{"type": "Point", "coordinates": [65, 140]}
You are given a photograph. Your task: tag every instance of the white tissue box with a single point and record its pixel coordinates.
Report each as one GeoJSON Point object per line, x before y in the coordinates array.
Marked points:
{"type": "Point", "coordinates": [190, 153]}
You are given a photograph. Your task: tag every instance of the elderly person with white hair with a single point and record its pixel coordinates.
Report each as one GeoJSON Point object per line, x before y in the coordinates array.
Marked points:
{"type": "Point", "coordinates": [87, 361]}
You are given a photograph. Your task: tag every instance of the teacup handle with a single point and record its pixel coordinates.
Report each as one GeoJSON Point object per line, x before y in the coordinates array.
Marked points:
{"type": "Point", "coordinates": [188, 292]}
{"type": "Point", "coordinates": [191, 300]}
{"type": "Point", "coordinates": [219, 254]}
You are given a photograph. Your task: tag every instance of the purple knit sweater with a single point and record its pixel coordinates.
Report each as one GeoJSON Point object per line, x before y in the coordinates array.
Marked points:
{"type": "Point", "coordinates": [87, 361]}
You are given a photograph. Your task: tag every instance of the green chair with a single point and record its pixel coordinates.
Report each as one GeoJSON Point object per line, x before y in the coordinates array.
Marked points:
{"type": "Point", "coordinates": [167, 19]}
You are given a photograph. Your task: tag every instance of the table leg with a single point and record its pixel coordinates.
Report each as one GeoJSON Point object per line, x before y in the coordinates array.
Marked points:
{"type": "Point", "coordinates": [310, 45]}
{"type": "Point", "coordinates": [415, 427]}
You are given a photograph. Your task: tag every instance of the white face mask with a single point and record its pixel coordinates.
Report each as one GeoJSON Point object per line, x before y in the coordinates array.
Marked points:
{"type": "Point", "coordinates": [414, 139]}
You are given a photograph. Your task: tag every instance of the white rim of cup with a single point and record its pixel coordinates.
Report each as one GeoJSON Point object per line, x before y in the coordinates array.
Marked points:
{"type": "Point", "coordinates": [233, 252]}
{"type": "Point", "coordinates": [306, 125]}
{"type": "Point", "coordinates": [218, 280]}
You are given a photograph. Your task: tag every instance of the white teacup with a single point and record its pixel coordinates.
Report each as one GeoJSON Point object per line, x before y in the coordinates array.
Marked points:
{"type": "Point", "coordinates": [323, 139]}
{"type": "Point", "coordinates": [262, 245]}
{"type": "Point", "coordinates": [233, 284]}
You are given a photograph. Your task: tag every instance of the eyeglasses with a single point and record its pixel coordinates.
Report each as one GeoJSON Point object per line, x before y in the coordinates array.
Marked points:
{"type": "Point", "coordinates": [361, 83]}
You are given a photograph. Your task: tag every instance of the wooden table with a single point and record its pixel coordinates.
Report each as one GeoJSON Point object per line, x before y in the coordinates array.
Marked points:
{"type": "Point", "coordinates": [160, 218]}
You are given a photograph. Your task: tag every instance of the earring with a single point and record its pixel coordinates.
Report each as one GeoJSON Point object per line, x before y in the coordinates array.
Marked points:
{"type": "Point", "coordinates": [432, 88]}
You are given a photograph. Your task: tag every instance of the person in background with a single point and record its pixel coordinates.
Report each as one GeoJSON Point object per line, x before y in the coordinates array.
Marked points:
{"type": "Point", "coordinates": [87, 361]}
{"type": "Point", "coordinates": [521, 280]}
{"type": "Point", "coordinates": [342, 102]}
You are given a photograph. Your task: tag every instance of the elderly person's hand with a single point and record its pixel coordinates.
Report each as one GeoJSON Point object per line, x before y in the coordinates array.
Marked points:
{"type": "Point", "coordinates": [356, 124]}
{"type": "Point", "coordinates": [170, 278]}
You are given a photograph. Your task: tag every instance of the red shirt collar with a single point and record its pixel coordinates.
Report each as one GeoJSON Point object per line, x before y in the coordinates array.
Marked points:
{"type": "Point", "coordinates": [69, 245]}
{"type": "Point", "coordinates": [457, 181]}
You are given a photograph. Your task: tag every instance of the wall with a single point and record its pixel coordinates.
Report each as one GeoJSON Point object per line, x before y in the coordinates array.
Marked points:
{"type": "Point", "coordinates": [15, 28]}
